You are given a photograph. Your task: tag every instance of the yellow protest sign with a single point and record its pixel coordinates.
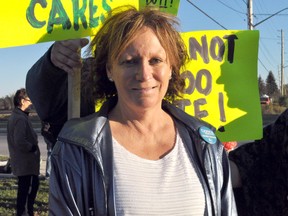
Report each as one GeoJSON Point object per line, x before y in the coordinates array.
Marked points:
{"type": "Point", "coordinates": [168, 6]}
{"type": "Point", "coordinates": [222, 82]}
{"type": "Point", "coordinates": [25, 22]}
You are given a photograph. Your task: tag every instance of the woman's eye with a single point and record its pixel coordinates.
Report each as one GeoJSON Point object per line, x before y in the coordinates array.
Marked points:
{"type": "Point", "coordinates": [134, 61]}
{"type": "Point", "coordinates": [155, 61]}
{"type": "Point", "coordinates": [129, 61]}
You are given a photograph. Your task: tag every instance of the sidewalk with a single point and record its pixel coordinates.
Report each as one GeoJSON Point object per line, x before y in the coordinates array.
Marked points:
{"type": "Point", "coordinates": [42, 169]}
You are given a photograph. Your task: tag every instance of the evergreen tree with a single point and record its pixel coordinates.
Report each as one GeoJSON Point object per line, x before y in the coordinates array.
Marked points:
{"type": "Point", "coordinates": [261, 85]}
{"type": "Point", "coordinates": [271, 85]}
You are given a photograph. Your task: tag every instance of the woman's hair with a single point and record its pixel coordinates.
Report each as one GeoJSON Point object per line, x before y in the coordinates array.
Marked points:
{"type": "Point", "coordinates": [19, 95]}
{"type": "Point", "coordinates": [118, 31]}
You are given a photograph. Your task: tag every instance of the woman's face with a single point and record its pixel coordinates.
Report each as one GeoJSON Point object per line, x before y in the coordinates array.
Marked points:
{"type": "Point", "coordinates": [142, 73]}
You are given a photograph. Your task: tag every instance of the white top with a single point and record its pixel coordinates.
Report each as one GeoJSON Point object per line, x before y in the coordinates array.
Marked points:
{"type": "Point", "coordinates": [168, 186]}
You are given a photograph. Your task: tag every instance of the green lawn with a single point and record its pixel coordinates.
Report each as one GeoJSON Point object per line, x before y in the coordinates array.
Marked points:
{"type": "Point", "coordinates": [8, 194]}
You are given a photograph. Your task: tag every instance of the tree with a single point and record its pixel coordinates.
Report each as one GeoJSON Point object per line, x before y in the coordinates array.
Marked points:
{"type": "Point", "coordinates": [271, 86]}
{"type": "Point", "coordinates": [285, 89]}
{"type": "Point", "coordinates": [6, 103]}
{"type": "Point", "coordinates": [2, 104]}
{"type": "Point", "coordinates": [9, 102]}
{"type": "Point", "coordinates": [261, 85]}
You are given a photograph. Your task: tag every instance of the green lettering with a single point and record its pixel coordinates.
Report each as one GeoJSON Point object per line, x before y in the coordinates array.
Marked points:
{"type": "Point", "coordinates": [106, 6]}
{"type": "Point", "coordinates": [61, 19]}
{"type": "Point", "coordinates": [94, 21]}
{"type": "Point", "coordinates": [79, 14]}
{"type": "Point", "coordinates": [30, 15]}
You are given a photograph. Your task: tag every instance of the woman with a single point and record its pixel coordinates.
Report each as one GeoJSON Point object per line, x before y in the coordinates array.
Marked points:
{"type": "Point", "coordinates": [139, 155]}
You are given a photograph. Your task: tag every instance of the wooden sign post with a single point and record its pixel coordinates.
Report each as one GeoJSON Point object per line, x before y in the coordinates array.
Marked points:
{"type": "Point", "coordinates": [74, 94]}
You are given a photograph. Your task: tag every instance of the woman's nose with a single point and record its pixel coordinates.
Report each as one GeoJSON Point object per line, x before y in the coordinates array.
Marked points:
{"type": "Point", "coordinates": [144, 71]}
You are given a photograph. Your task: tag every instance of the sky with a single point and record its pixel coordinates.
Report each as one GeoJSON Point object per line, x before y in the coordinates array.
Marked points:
{"type": "Point", "coordinates": [194, 15]}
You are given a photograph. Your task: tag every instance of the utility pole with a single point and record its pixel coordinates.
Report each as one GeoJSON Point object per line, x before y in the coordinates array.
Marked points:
{"type": "Point", "coordinates": [282, 63]}
{"type": "Point", "coordinates": [250, 14]}
{"type": "Point", "coordinates": [251, 27]}
{"type": "Point", "coordinates": [279, 77]}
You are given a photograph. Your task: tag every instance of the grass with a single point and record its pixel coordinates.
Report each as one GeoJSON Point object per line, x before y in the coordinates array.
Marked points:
{"type": "Point", "coordinates": [3, 158]}
{"type": "Point", "coordinates": [8, 194]}
{"type": "Point", "coordinates": [272, 109]}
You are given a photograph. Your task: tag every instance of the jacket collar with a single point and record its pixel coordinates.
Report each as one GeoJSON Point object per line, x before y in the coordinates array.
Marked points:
{"type": "Point", "coordinates": [21, 112]}
{"type": "Point", "coordinates": [85, 131]}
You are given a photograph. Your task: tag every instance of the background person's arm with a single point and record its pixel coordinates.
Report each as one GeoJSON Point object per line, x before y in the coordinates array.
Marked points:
{"type": "Point", "coordinates": [235, 175]}
{"type": "Point", "coordinates": [47, 84]}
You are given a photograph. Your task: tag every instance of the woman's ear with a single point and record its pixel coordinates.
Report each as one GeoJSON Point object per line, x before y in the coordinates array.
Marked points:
{"type": "Point", "coordinates": [171, 73]}
{"type": "Point", "coordinates": [108, 72]}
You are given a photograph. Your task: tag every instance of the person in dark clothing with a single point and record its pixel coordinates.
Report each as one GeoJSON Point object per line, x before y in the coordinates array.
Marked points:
{"type": "Point", "coordinates": [24, 152]}
{"type": "Point", "coordinates": [262, 172]}
{"type": "Point", "coordinates": [50, 142]}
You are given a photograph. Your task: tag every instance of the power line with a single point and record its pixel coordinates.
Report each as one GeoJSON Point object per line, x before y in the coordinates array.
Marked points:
{"type": "Point", "coordinates": [263, 65]}
{"type": "Point", "coordinates": [231, 7]}
{"type": "Point", "coordinates": [244, 2]}
{"type": "Point", "coordinates": [270, 14]}
{"type": "Point", "coordinates": [264, 48]}
{"type": "Point", "coordinates": [272, 24]}
{"type": "Point", "coordinates": [206, 14]}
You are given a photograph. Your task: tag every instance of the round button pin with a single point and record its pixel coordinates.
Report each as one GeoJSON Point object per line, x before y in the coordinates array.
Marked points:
{"type": "Point", "coordinates": [208, 135]}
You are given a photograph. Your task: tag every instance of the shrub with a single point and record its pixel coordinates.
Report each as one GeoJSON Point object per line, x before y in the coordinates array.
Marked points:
{"type": "Point", "coordinates": [283, 101]}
